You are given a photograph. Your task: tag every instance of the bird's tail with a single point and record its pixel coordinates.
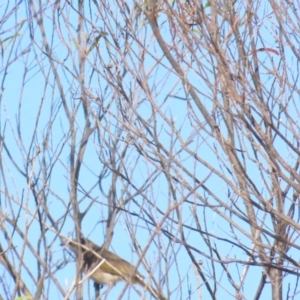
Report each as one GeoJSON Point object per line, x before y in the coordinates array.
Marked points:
{"type": "Point", "coordinates": [151, 290]}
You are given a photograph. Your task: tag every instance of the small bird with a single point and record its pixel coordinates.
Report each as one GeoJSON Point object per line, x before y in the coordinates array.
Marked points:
{"type": "Point", "coordinates": [105, 267]}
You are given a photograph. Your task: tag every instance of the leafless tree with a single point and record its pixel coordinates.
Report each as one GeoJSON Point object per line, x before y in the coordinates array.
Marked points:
{"type": "Point", "coordinates": [166, 130]}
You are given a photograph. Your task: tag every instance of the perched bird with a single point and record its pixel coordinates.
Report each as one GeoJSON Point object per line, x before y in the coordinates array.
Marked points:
{"type": "Point", "coordinates": [105, 267]}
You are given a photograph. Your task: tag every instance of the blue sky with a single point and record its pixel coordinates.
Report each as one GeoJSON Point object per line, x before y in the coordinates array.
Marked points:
{"type": "Point", "coordinates": [31, 99]}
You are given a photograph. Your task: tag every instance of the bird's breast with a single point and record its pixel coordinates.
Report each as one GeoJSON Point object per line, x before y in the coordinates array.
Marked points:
{"type": "Point", "coordinates": [104, 278]}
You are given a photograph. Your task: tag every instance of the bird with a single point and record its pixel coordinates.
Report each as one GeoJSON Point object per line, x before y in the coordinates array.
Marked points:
{"type": "Point", "coordinates": [105, 267]}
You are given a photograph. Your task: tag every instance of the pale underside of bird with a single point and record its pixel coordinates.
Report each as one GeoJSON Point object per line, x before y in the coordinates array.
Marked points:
{"type": "Point", "coordinates": [105, 267]}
